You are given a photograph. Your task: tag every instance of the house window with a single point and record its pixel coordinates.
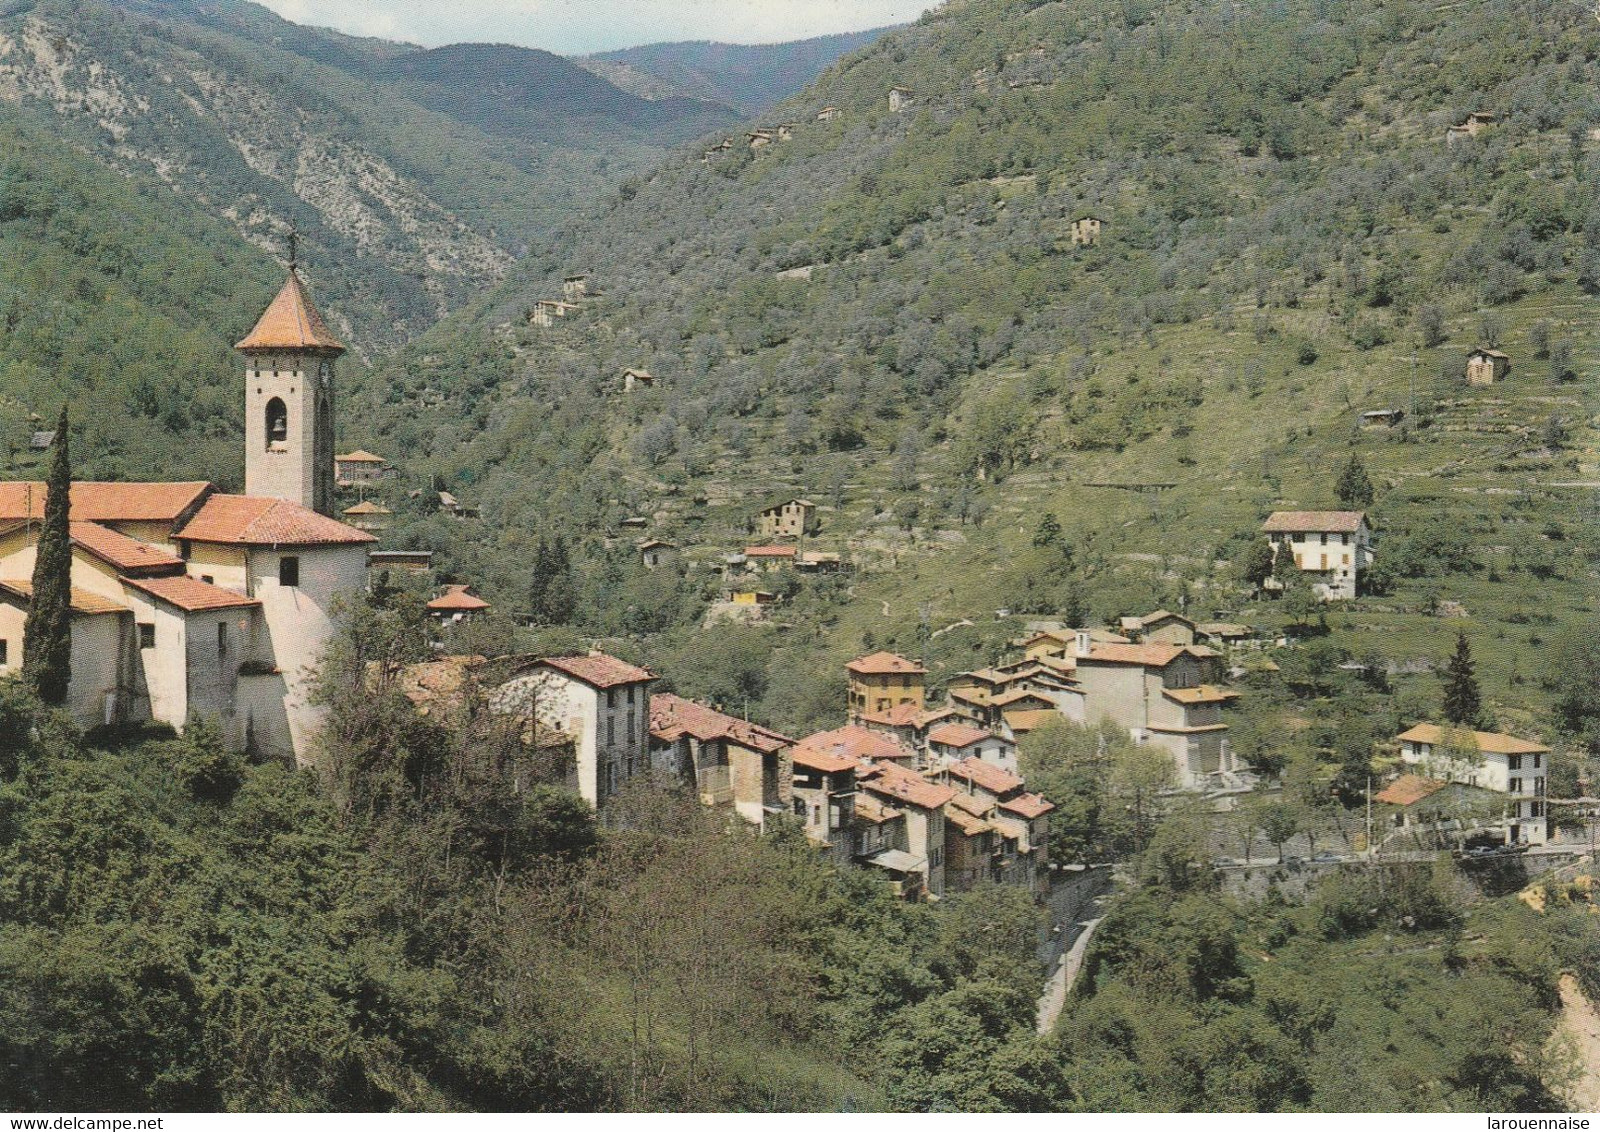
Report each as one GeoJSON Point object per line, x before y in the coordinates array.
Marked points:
{"type": "Point", "coordinates": [611, 730]}
{"type": "Point", "coordinates": [5, 648]}
{"type": "Point", "coordinates": [1516, 762]}
{"type": "Point", "coordinates": [147, 635]}
{"type": "Point", "coordinates": [628, 734]}
{"type": "Point", "coordinates": [1538, 786]}
{"type": "Point", "coordinates": [1535, 762]}
{"type": "Point", "coordinates": [1536, 810]}
{"type": "Point", "coordinates": [630, 694]}
{"type": "Point", "coordinates": [222, 639]}
{"type": "Point", "coordinates": [277, 424]}
{"type": "Point", "coordinates": [611, 698]}
{"type": "Point", "coordinates": [289, 570]}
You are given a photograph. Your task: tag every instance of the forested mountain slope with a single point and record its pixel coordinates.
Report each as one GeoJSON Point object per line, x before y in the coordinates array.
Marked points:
{"type": "Point", "coordinates": [414, 177]}
{"type": "Point", "coordinates": [748, 77]}
{"type": "Point", "coordinates": [888, 312]}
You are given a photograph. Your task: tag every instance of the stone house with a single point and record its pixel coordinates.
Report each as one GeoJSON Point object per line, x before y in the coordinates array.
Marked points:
{"type": "Point", "coordinates": [1162, 694]}
{"type": "Point", "coordinates": [654, 553]}
{"type": "Point", "coordinates": [1381, 418]}
{"type": "Point", "coordinates": [884, 680]}
{"type": "Point", "coordinates": [1517, 768]}
{"type": "Point", "coordinates": [922, 803]}
{"type": "Point", "coordinates": [901, 99]}
{"type": "Point", "coordinates": [636, 379]}
{"type": "Point", "coordinates": [790, 519]}
{"type": "Point", "coordinates": [1416, 804]}
{"type": "Point", "coordinates": [1334, 547]}
{"type": "Point", "coordinates": [953, 741]}
{"type": "Point", "coordinates": [769, 559]}
{"type": "Point", "coordinates": [824, 797]}
{"type": "Point", "coordinates": [1085, 229]}
{"type": "Point", "coordinates": [1475, 123]}
{"type": "Point", "coordinates": [602, 702]}
{"type": "Point", "coordinates": [729, 761]}
{"type": "Point", "coordinates": [1160, 627]}
{"type": "Point", "coordinates": [760, 139]}
{"type": "Point", "coordinates": [359, 468]}
{"type": "Point", "coordinates": [1486, 366]}
{"type": "Point", "coordinates": [575, 288]}
{"type": "Point", "coordinates": [547, 312]}
{"type": "Point", "coordinates": [829, 114]}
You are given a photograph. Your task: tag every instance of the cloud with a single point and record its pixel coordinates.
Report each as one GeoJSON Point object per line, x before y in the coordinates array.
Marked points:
{"type": "Point", "coordinates": [577, 26]}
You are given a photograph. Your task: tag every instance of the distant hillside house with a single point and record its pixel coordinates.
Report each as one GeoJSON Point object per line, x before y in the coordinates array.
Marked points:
{"type": "Point", "coordinates": [1486, 366]}
{"type": "Point", "coordinates": [359, 467]}
{"type": "Point", "coordinates": [901, 99]}
{"type": "Point", "coordinates": [1332, 546]}
{"type": "Point", "coordinates": [760, 139]}
{"type": "Point", "coordinates": [657, 552]}
{"type": "Point", "coordinates": [450, 505]}
{"type": "Point", "coordinates": [786, 130]}
{"type": "Point", "coordinates": [409, 561]}
{"type": "Point", "coordinates": [547, 311]}
{"type": "Point", "coordinates": [789, 519]}
{"type": "Point", "coordinates": [884, 680]}
{"type": "Point", "coordinates": [1161, 626]}
{"type": "Point", "coordinates": [575, 288]}
{"type": "Point", "coordinates": [41, 441]}
{"type": "Point", "coordinates": [1416, 804]}
{"type": "Point", "coordinates": [1476, 123]}
{"type": "Point", "coordinates": [829, 114]}
{"type": "Point", "coordinates": [1493, 761]}
{"type": "Point", "coordinates": [1085, 229]}
{"type": "Point", "coordinates": [636, 379]}
{"type": "Point", "coordinates": [1382, 418]}
{"type": "Point", "coordinates": [769, 558]}
{"type": "Point", "coordinates": [369, 516]}
{"type": "Point", "coordinates": [456, 604]}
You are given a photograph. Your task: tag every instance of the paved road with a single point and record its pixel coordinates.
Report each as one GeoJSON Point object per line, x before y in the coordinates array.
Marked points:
{"type": "Point", "coordinates": [1066, 969]}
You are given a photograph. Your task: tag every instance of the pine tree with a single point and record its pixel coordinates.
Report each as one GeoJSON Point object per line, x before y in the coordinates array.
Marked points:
{"type": "Point", "coordinates": [47, 634]}
{"type": "Point", "coordinates": [1462, 702]}
{"type": "Point", "coordinates": [1354, 488]}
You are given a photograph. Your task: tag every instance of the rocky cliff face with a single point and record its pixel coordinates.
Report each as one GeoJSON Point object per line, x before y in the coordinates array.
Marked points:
{"type": "Point", "coordinates": [266, 155]}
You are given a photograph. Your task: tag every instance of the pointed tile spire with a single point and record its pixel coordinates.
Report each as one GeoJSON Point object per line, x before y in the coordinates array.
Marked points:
{"type": "Point", "coordinates": [291, 322]}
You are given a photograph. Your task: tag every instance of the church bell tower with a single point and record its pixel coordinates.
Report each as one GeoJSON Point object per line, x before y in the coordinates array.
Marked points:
{"type": "Point", "coordinates": [288, 400]}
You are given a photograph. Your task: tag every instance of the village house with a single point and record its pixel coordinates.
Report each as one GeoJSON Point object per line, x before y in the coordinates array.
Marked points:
{"type": "Point", "coordinates": [861, 744]}
{"type": "Point", "coordinates": [908, 725]}
{"type": "Point", "coordinates": [789, 519]}
{"type": "Point", "coordinates": [654, 553]}
{"type": "Point", "coordinates": [1019, 820]}
{"type": "Point", "coordinates": [1444, 810]}
{"type": "Point", "coordinates": [546, 312]}
{"type": "Point", "coordinates": [1085, 229]}
{"type": "Point", "coordinates": [1381, 418]}
{"type": "Point", "coordinates": [453, 507]}
{"type": "Point", "coordinates": [359, 468]}
{"type": "Point", "coordinates": [883, 680]}
{"type": "Point", "coordinates": [457, 603]}
{"type": "Point", "coordinates": [879, 838]}
{"type": "Point", "coordinates": [1160, 627]}
{"type": "Point", "coordinates": [1486, 366]}
{"type": "Point", "coordinates": [369, 516]}
{"type": "Point", "coordinates": [760, 139]}
{"type": "Point", "coordinates": [952, 742]}
{"type": "Point", "coordinates": [575, 288]}
{"type": "Point", "coordinates": [1054, 678]}
{"type": "Point", "coordinates": [1163, 695]}
{"type": "Point", "coordinates": [922, 803]}
{"type": "Point", "coordinates": [769, 559]}
{"type": "Point", "coordinates": [1493, 761]}
{"type": "Point", "coordinates": [602, 702]}
{"type": "Point", "coordinates": [1060, 644]}
{"type": "Point", "coordinates": [729, 761]}
{"type": "Point", "coordinates": [824, 797]}
{"type": "Point", "coordinates": [189, 603]}
{"type": "Point", "coordinates": [752, 597]}
{"type": "Point", "coordinates": [1334, 547]}
{"type": "Point", "coordinates": [971, 843]}
{"type": "Point", "coordinates": [829, 114]}
{"type": "Point", "coordinates": [819, 562]}
{"type": "Point", "coordinates": [786, 130]}
{"type": "Point", "coordinates": [901, 99]}
{"type": "Point", "coordinates": [636, 379]}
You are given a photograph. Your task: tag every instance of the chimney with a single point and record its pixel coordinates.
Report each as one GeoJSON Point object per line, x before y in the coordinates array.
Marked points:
{"type": "Point", "coordinates": [1082, 643]}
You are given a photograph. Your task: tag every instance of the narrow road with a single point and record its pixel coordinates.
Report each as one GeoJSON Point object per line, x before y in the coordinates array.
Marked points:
{"type": "Point", "coordinates": [1580, 1025]}
{"type": "Point", "coordinates": [1066, 971]}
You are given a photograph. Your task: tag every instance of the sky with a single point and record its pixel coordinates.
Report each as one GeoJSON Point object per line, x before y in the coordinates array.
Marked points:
{"type": "Point", "coordinates": [575, 27]}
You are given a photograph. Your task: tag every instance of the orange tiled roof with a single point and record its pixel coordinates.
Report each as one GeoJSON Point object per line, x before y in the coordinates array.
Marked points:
{"type": "Point", "coordinates": [901, 715]}
{"type": "Point", "coordinates": [106, 502]}
{"type": "Point", "coordinates": [1023, 721]}
{"type": "Point", "coordinates": [1310, 522]}
{"type": "Point", "coordinates": [456, 599]}
{"type": "Point", "coordinates": [828, 762]}
{"type": "Point", "coordinates": [190, 594]}
{"type": "Point", "coordinates": [852, 742]}
{"type": "Point", "coordinates": [984, 775]}
{"type": "Point", "coordinates": [124, 554]}
{"type": "Point", "coordinates": [1029, 806]}
{"type": "Point", "coordinates": [1204, 694]}
{"type": "Point", "coordinates": [769, 552]}
{"type": "Point", "coordinates": [367, 507]}
{"type": "Point", "coordinates": [906, 786]}
{"type": "Point", "coordinates": [969, 824]}
{"type": "Point", "coordinates": [1409, 789]}
{"type": "Point", "coordinates": [1155, 655]}
{"type": "Point", "coordinates": [251, 520]}
{"type": "Point", "coordinates": [972, 804]}
{"type": "Point", "coordinates": [360, 456]}
{"type": "Point", "coordinates": [82, 601]}
{"type": "Point", "coordinates": [874, 811]}
{"type": "Point", "coordinates": [705, 724]}
{"type": "Point", "coordinates": [956, 735]}
{"type": "Point", "coordinates": [1017, 695]}
{"type": "Point", "coordinates": [879, 663]}
{"type": "Point", "coordinates": [599, 670]}
{"type": "Point", "coordinates": [291, 322]}
{"type": "Point", "coordinates": [1492, 742]}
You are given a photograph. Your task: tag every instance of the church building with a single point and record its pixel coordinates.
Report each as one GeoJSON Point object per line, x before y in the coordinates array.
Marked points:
{"type": "Point", "coordinates": [188, 602]}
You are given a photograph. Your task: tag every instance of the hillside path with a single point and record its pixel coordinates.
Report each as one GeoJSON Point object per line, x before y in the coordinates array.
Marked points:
{"type": "Point", "coordinates": [1580, 1023]}
{"type": "Point", "coordinates": [1061, 979]}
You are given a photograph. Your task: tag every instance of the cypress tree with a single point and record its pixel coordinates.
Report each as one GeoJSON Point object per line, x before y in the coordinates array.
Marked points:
{"type": "Point", "coordinates": [47, 634]}
{"type": "Point", "coordinates": [1461, 700]}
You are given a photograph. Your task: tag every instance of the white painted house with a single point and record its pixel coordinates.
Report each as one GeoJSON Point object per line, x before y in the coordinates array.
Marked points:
{"type": "Point", "coordinates": [1505, 764]}
{"type": "Point", "coordinates": [1333, 547]}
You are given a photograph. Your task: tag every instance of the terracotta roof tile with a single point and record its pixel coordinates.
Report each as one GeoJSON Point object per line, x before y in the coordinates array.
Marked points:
{"type": "Point", "coordinates": [1303, 522]}
{"type": "Point", "coordinates": [126, 555]}
{"type": "Point", "coordinates": [973, 804]}
{"type": "Point", "coordinates": [83, 601]}
{"type": "Point", "coordinates": [874, 811]}
{"type": "Point", "coordinates": [879, 663]}
{"type": "Point", "coordinates": [705, 724]}
{"type": "Point", "coordinates": [1492, 742]}
{"type": "Point", "coordinates": [769, 552]}
{"type": "Point", "coordinates": [901, 715]}
{"type": "Point", "coordinates": [1023, 721]}
{"type": "Point", "coordinates": [250, 520]}
{"type": "Point", "coordinates": [1204, 694]}
{"type": "Point", "coordinates": [907, 786]}
{"type": "Point", "coordinates": [190, 594]}
{"type": "Point", "coordinates": [360, 456]}
{"type": "Point", "coordinates": [852, 742]}
{"type": "Point", "coordinates": [1409, 789]}
{"type": "Point", "coordinates": [598, 669]}
{"type": "Point", "coordinates": [1018, 695]}
{"type": "Point", "coordinates": [106, 502]}
{"type": "Point", "coordinates": [1029, 806]}
{"type": "Point", "coordinates": [291, 322]}
{"type": "Point", "coordinates": [985, 776]}
{"type": "Point", "coordinates": [828, 762]}
{"type": "Point", "coordinates": [969, 824]}
{"type": "Point", "coordinates": [457, 599]}
{"type": "Point", "coordinates": [1156, 655]}
{"type": "Point", "coordinates": [957, 735]}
